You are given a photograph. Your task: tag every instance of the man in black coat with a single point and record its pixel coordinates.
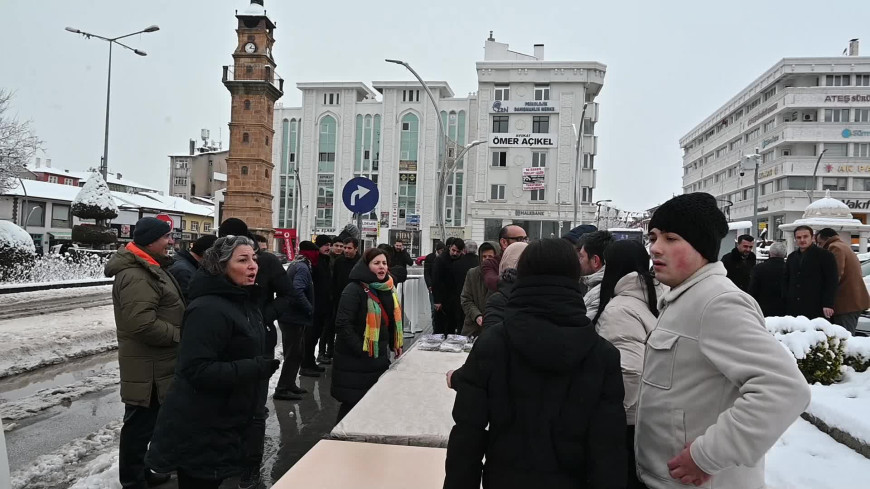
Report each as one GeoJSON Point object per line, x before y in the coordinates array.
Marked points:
{"type": "Point", "coordinates": [401, 256]}
{"type": "Point", "coordinates": [811, 280]}
{"type": "Point", "coordinates": [341, 268]}
{"type": "Point", "coordinates": [446, 290]}
{"type": "Point", "coordinates": [275, 298]}
{"type": "Point", "coordinates": [739, 262]}
{"type": "Point", "coordinates": [186, 263]}
{"type": "Point", "coordinates": [323, 310]}
{"type": "Point", "coordinates": [766, 282]}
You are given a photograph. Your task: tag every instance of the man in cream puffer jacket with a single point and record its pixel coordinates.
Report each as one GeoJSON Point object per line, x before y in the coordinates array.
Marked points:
{"type": "Point", "coordinates": [717, 389]}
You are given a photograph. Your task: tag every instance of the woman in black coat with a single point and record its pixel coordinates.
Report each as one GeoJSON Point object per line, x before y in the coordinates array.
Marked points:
{"type": "Point", "coordinates": [540, 395]}
{"type": "Point", "coordinates": [200, 428]}
{"type": "Point", "coordinates": [362, 350]}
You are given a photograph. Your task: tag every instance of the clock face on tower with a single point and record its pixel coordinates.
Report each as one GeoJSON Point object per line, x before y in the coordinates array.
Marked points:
{"type": "Point", "coordinates": [250, 47]}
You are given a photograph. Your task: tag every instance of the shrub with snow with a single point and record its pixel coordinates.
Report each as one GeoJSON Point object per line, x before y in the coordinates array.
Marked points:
{"type": "Point", "coordinates": [16, 249]}
{"type": "Point", "coordinates": [57, 267]}
{"type": "Point", "coordinates": [817, 345]}
{"type": "Point", "coordinates": [93, 235]}
{"type": "Point", "coordinates": [94, 200]}
{"type": "Point", "coordinates": [858, 353]}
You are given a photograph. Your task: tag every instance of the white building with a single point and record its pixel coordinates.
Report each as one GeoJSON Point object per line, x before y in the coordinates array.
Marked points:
{"type": "Point", "coordinates": [798, 110]}
{"type": "Point", "coordinates": [524, 111]}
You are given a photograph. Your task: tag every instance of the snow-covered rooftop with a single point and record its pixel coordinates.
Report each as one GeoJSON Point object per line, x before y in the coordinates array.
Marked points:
{"type": "Point", "coordinates": [828, 207]}
{"type": "Point", "coordinates": [84, 175]}
{"type": "Point", "coordinates": [149, 200]}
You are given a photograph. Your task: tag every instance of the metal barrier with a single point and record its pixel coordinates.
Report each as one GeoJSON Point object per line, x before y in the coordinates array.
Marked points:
{"type": "Point", "coordinates": [416, 308]}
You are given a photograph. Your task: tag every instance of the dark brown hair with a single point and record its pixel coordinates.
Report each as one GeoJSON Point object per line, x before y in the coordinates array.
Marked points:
{"type": "Point", "coordinates": [372, 253]}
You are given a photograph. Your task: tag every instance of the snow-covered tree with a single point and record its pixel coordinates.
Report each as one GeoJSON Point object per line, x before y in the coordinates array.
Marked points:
{"type": "Point", "coordinates": [94, 201]}
{"type": "Point", "coordinates": [18, 143]}
{"type": "Point", "coordinates": [17, 251]}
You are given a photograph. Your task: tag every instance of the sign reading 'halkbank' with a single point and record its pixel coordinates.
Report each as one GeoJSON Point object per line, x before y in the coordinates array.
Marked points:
{"type": "Point", "coordinates": [502, 140]}
{"type": "Point", "coordinates": [521, 106]}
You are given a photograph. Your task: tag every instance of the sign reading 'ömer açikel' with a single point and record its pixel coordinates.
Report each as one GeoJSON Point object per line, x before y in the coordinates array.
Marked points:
{"type": "Point", "coordinates": [534, 140]}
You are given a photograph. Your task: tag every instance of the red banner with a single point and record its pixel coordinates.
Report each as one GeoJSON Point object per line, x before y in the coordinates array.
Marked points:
{"type": "Point", "coordinates": [289, 240]}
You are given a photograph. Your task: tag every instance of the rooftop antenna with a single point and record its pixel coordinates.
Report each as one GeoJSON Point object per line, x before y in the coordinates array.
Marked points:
{"type": "Point", "coordinates": [490, 37]}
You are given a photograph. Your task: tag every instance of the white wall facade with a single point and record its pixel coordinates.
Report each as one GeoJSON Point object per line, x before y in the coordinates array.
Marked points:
{"type": "Point", "coordinates": [790, 115]}
{"type": "Point", "coordinates": [404, 143]}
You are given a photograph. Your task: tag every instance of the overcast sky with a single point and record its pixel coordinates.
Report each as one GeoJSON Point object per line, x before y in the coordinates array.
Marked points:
{"type": "Point", "coordinates": [669, 65]}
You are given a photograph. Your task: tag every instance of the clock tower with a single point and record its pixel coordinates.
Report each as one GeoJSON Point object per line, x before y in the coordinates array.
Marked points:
{"type": "Point", "coordinates": [254, 88]}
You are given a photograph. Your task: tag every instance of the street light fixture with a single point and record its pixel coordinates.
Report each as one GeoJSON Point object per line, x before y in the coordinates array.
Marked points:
{"type": "Point", "coordinates": [104, 165]}
{"type": "Point", "coordinates": [816, 169]}
{"type": "Point", "coordinates": [442, 156]}
{"type": "Point", "coordinates": [579, 134]}
{"type": "Point", "coordinates": [598, 210]}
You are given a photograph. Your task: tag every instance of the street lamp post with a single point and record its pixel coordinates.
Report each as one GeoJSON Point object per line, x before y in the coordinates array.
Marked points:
{"type": "Point", "coordinates": [816, 169]}
{"type": "Point", "coordinates": [579, 133]}
{"type": "Point", "coordinates": [598, 210]}
{"type": "Point", "coordinates": [750, 162]}
{"type": "Point", "coordinates": [104, 165]}
{"type": "Point", "coordinates": [442, 156]}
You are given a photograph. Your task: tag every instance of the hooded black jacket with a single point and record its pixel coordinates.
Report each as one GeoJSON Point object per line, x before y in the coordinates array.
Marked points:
{"type": "Point", "coordinates": [540, 397]}
{"type": "Point", "coordinates": [184, 265]}
{"type": "Point", "coordinates": [201, 427]}
{"type": "Point", "coordinates": [353, 371]}
{"type": "Point", "coordinates": [493, 312]}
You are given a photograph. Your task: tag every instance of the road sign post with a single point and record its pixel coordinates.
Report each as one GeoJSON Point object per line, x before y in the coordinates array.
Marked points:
{"type": "Point", "coordinates": [360, 196]}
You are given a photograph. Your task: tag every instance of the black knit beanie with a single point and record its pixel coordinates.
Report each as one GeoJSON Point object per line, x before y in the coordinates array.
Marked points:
{"type": "Point", "coordinates": [203, 243]}
{"type": "Point", "coordinates": [323, 239]}
{"type": "Point", "coordinates": [697, 219]}
{"type": "Point", "coordinates": [308, 246]}
{"type": "Point", "coordinates": [149, 230]}
{"type": "Point", "coordinates": [233, 227]}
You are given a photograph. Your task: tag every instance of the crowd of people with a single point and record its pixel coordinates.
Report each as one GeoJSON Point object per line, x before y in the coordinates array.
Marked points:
{"type": "Point", "coordinates": [596, 362]}
{"type": "Point", "coordinates": [197, 336]}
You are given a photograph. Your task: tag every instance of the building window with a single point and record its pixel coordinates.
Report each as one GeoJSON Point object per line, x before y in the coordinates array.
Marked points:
{"type": "Point", "coordinates": [838, 80]}
{"type": "Point", "coordinates": [267, 173]}
{"type": "Point", "coordinates": [836, 149]}
{"type": "Point", "coordinates": [500, 123]}
{"type": "Point", "coordinates": [249, 69]}
{"type": "Point", "coordinates": [409, 142]}
{"type": "Point", "coordinates": [540, 124]}
{"type": "Point", "coordinates": [539, 159]}
{"type": "Point", "coordinates": [767, 188]}
{"type": "Point", "coordinates": [768, 157]}
{"type": "Point", "coordinates": [862, 80]}
{"type": "Point", "coordinates": [589, 162]}
{"type": "Point", "coordinates": [862, 115]}
{"type": "Point", "coordinates": [733, 144]}
{"type": "Point", "coordinates": [753, 134]}
{"type": "Point", "coordinates": [52, 179]}
{"type": "Point", "coordinates": [499, 159]}
{"type": "Point", "coordinates": [325, 197]}
{"type": "Point", "coordinates": [407, 202]}
{"type": "Point", "coordinates": [244, 170]}
{"type": "Point", "coordinates": [502, 92]}
{"type": "Point", "coordinates": [410, 95]}
{"type": "Point", "coordinates": [496, 192]}
{"type": "Point", "coordinates": [247, 105]}
{"type": "Point", "coordinates": [542, 93]}
{"type": "Point", "coordinates": [800, 183]}
{"type": "Point", "coordinates": [331, 98]}
{"type": "Point", "coordinates": [194, 226]}
{"type": "Point", "coordinates": [326, 158]}
{"type": "Point", "coordinates": [69, 181]}
{"type": "Point", "coordinates": [181, 181]}
{"type": "Point", "coordinates": [768, 126]}
{"type": "Point", "coordinates": [834, 183]}
{"type": "Point", "coordinates": [183, 225]}
{"type": "Point", "coordinates": [60, 216]}
{"type": "Point", "coordinates": [862, 150]}
{"type": "Point", "coordinates": [246, 138]}
{"type": "Point", "coordinates": [767, 95]}
{"type": "Point", "coordinates": [836, 115]}
{"type": "Point", "coordinates": [538, 195]}
{"type": "Point", "coordinates": [586, 195]}
{"type": "Point", "coordinates": [206, 227]}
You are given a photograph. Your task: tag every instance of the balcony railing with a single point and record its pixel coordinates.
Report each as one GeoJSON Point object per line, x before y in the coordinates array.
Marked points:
{"type": "Point", "coordinates": [257, 74]}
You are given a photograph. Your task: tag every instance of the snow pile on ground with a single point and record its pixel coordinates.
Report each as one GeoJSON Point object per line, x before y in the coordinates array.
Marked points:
{"type": "Point", "coordinates": [102, 473]}
{"type": "Point", "coordinates": [53, 294]}
{"type": "Point", "coordinates": [58, 268]}
{"type": "Point", "coordinates": [845, 405]}
{"type": "Point", "coordinates": [33, 342]}
{"type": "Point", "coordinates": [58, 469]}
{"type": "Point", "coordinates": [806, 458]}
{"type": "Point", "coordinates": [12, 236]}
{"type": "Point", "coordinates": [816, 344]}
{"type": "Point", "coordinates": [46, 398]}
{"type": "Point", "coordinates": [95, 194]}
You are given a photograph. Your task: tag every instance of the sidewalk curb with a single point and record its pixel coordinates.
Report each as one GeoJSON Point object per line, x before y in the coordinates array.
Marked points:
{"type": "Point", "coordinates": [839, 435]}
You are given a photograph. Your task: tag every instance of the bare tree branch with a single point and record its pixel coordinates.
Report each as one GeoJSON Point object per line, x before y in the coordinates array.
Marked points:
{"type": "Point", "coordinates": [18, 143]}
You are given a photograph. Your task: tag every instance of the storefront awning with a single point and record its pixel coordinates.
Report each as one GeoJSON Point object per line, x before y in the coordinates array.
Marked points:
{"type": "Point", "coordinates": [61, 234]}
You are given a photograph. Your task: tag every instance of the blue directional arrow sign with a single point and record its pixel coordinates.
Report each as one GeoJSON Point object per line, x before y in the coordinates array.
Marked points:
{"type": "Point", "coordinates": [360, 195]}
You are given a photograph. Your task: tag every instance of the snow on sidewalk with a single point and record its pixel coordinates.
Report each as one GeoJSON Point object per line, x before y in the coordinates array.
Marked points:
{"type": "Point", "coordinates": [806, 458]}
{"type": "Point", "coordinates": [845, 405]}
{"type": "Point", "coordinates": [55, 396]}
{"type": "Point", "coordinates": [53, 294]}
{"type": "Point", "coordinates": [33, 342]}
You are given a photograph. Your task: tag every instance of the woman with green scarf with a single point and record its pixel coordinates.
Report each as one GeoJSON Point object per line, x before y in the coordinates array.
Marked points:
{"type": "Point", "coordinates": [368, 325]}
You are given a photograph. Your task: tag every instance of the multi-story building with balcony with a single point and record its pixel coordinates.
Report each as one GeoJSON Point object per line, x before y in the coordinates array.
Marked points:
{"type": "Point", "coordinates": [200, 172]}
{"type": "Point", "coordinates": [524, 114]}
{"type": "Point", "coordinates": [808, 119]}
